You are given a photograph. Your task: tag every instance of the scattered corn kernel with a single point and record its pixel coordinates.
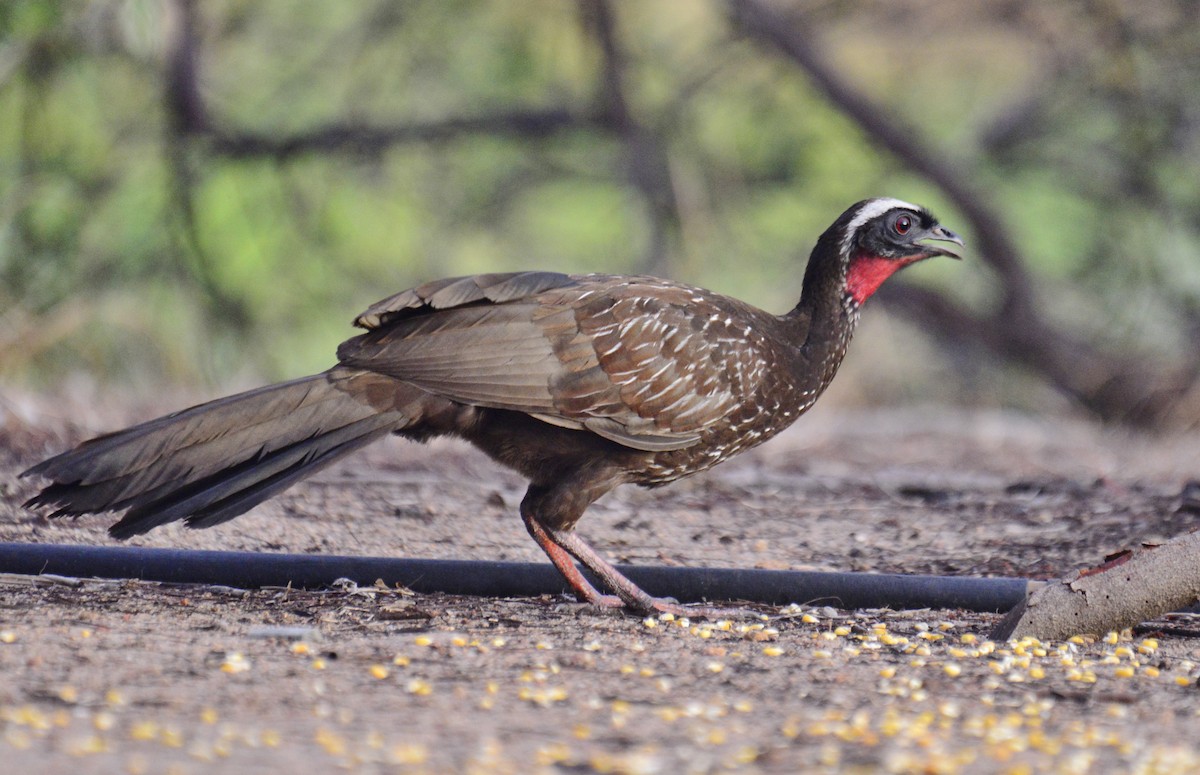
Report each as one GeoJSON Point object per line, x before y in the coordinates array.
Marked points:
{"type": "Point", "coordinates": [143, 730]}
{"type": "Point", "coordinates": [170, 737]}
{"type": "Point", "coordinates": [418, 687]}
{"type": "Point", "coordinates": [92, 744]}
{"type": "Point", "coordinates": [380, 672]}
{"type": "Point", "coordinates": [104, 721]}
{"type": "Point", "coordinates": [408, 753]}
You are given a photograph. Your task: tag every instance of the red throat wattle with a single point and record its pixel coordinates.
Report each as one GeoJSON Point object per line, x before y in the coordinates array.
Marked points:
{"type": "Point", "coordinates": [868, 272]}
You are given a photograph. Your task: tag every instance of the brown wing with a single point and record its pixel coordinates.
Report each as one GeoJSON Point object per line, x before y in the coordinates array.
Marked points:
{"type": "Point", "coordinates": [459, 291]}
{"type": "Point", "coordinates": [643, 362]}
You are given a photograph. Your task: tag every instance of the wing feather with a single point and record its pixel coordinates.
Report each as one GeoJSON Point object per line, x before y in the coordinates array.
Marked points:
{"type": "Point", "coordinates": [643, 362]}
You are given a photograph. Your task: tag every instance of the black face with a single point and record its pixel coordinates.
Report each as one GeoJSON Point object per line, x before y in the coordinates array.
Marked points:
{"type": "Point", "coordinates": [902, 233]}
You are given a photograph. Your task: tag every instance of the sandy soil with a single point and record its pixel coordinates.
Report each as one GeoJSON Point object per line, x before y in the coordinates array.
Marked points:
{"type": "Point", "coordinates": [129, 677]}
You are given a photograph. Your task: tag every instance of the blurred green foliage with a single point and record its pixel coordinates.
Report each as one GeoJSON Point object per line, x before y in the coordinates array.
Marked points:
{"type": "Point", "coordinates": [126, 251]}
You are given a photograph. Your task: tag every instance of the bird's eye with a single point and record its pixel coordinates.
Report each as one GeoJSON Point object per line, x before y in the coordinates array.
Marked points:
{"type": "Point", "coordinates": [902, 224]}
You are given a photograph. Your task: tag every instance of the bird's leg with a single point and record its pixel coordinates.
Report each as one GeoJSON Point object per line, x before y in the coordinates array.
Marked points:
{"type": "Point", "coordinates": [566, 565]}
{"type": "Point", "coordinates": [633, 596]}
{"type": "Point", "coordinates": [561, 544]}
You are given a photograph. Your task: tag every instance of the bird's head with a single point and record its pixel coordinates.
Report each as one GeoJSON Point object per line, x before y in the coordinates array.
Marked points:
{"type": "Point", "coordinates": [875, 238]}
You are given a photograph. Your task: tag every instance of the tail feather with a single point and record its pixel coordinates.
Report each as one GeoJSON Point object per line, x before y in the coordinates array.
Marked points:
{"type": "Point", "coordinates": [264, 413]}
{"type": "Point", "coordinates": [212, 462]}
{"type": "Point", "coordinates": [234, 491]}
{"type": "Point", "coordinates": [200, 458]}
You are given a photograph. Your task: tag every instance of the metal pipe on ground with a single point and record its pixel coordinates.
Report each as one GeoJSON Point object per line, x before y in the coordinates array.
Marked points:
{"type": "Point", "coordinates": [251, 570]}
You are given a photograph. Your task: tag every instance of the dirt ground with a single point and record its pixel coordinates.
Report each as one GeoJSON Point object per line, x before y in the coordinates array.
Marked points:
{"type": "Point", "coordinates": [131, 677]}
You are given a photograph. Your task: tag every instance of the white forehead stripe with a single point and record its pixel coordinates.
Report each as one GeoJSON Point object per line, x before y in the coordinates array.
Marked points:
{"type": "Point", "coordinates": [872, 209]}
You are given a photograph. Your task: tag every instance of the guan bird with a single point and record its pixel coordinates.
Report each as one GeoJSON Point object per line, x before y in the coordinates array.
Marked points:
{"type": "Point", "coordinates": [578, 382]}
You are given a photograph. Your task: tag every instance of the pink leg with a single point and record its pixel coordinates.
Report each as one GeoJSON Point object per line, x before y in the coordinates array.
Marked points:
{"type": "Point", "coordinates": [566, 566]}
{"type": "Point", "coordinates": [561, 545]}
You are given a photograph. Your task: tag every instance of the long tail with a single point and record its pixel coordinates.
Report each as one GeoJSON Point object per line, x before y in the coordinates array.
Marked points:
{"type": "Point", "coordinates": [210, 463]}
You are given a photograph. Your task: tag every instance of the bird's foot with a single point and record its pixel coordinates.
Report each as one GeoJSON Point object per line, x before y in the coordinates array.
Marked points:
{"type": "Point", "coordinates": [653, 606]}
{"type": "Point", "coordinates": [700, 611]}
{"type": "Point", "coordinates": [561, 545]}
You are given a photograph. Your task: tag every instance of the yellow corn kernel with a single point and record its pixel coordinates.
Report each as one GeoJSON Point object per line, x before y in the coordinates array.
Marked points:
{"type": "Point", "coordinates": [418, 687]}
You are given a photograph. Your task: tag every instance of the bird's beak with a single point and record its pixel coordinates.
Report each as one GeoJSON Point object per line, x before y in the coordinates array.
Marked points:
{"type": "Point", "coordinates": [941, 234]}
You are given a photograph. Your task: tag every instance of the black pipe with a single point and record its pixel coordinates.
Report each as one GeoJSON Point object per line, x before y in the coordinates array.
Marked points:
{"type": "Point", "coordinates": [249, 570]}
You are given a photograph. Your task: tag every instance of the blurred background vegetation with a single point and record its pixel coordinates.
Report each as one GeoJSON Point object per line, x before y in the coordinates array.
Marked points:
{"type": "Point", "coordinates": [205, 193]}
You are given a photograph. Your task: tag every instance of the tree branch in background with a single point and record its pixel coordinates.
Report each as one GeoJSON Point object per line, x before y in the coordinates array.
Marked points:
{"type": "Point", "coordinates": [187, 117]}
{"type": "Point", "coordinates": [645, 158]}
{"type": "Point", "coordinates": [1132, 390]}
{"type": "Point", "coordinates": [363, 140]}
{"type": "Point", "coordinates": [186, 112]}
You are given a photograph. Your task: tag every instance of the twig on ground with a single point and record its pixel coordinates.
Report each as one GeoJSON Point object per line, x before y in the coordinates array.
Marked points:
{"type": "Point", "coordinates": [1128, 589]}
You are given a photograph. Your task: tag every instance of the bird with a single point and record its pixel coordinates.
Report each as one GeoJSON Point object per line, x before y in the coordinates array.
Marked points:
{"type": "Point", "coordinates": [580, 383]}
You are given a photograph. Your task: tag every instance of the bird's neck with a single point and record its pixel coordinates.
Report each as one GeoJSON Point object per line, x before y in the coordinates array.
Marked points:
{"type": "Point", "coordinates": [827, 313]}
